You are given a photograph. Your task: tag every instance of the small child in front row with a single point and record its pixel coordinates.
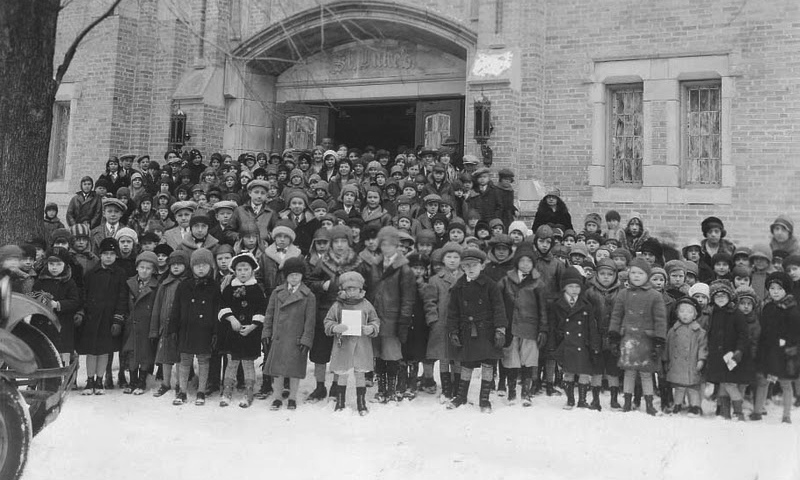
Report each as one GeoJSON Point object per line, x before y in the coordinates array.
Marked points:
{"type": "Point", "coordinates": [289, 331]}
{"type": "Point", "coordinates": [194, 322]}
{"type": "Point", "coordinates": [137, 350]}
{"type": "Point", "coordinates": [352, 352]}
{"type": "Point", "coordinates": [686, 354]}
{"type": "Point", "coordinates": [242, 316]}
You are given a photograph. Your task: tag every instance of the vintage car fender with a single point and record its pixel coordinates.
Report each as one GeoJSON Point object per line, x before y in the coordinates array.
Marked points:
{"type": "Point", "coordinates": [23, 306]}
{"type": "Point", "coordinates": [15, 353]}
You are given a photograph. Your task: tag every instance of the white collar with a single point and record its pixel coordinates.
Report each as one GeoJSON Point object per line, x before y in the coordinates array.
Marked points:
{"type": "Point", "coordinates": [236, 283]}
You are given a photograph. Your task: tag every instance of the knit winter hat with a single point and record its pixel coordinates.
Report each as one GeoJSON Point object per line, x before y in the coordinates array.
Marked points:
{"type": "Point", "coordinates": [741, 271]}
{"type": "Point", "coordinates": [199, 219]}
{"type": "Point", "coordinates": [426, 237]}
{"type": "Point", "coordinates": [341, 231]}
{"type": "Point", "coordinates": [147, 257]}
{"type": "Point", "coordinates": [701, 288]}
{"type": "Point", "coordinates": [451, 247]}
{"type": "Point", "coordinates": [351, 279]}
{"type": "Point", "coordinates": [501, 239]}
{"type": "Point", "coordinates": [126, 232]}
{"type": "Point", "coordinates": [641, 264]}
{"type": "Point", "coordinates": [418, 260]}
{"type": "Point", "coordinates": [691, 267]}
{"type": "Point", "coordinates": [791, 260]}
{"type": "Point", "coordinates": [653, 246]}
{"type": "Point", "coordinates": [747, 292]}
{"type": "Point", "coordinates": [519, 226]}
{"type": "Point", "coordinates": [223, 248]}
{"type": "Point", "coordinates": [781, 278]}
{"type": "Point", "coordinates": [606, 263]}
{"type": "Point", "coordinates": [496, 222]}
{"type": "Point", "coordinates": [785, 222]}
{"type": "Point", "coordinates": [571, 276]}
{"type": "Point", "coordinates": [622, 252]}
{"type": "Point", "coordinates": [79, 230]}
{"type": "Point", "coordinates": [524, 250]}
{"type": "Point", "coordinates": [594, 236]}
{"type": "Point", "coordinates": [319, 203]}
{"type": "Point", "coordinates": [203, 256]}
{"type": "Point", "coordinates": [593, 218]}
{"type": "Point", "coordinates": [457, 226]}
{"type": "Point", "coordinates": [579, 249]}
{"type": "Point", "coordinates": [284, 230]}
{"type": "Point", "coordinates": [295, 173]}
{"type": "Point", "coordinates": [179, 257]}
{"type": "Point", "coordinates": [658, 271]}
{"type": "Point", "coordinates": [60, 234]}
{"type": "Point", "coordinates": [125, 191]}
{"type": "Point", "coordinates": [721, 257]}
{"type": "Point", "coordinates": [294, 265]}
{"type": "Point", "coordinates": [725, 286]}
{"type": "Point", "coordinates": [674, 265]}
{"type": "Point", "coordinates": [688, 301]}
{"type": "Point", "coordinates": [761, 250]}
{"type": "Point", "coordinates": [109, 245]}
{"type": "Point", "coordinates": [163, 249]}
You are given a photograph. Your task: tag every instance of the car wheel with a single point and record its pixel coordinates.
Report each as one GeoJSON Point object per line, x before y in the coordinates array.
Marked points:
{"type": "Point", "coordinates": [15, 432]}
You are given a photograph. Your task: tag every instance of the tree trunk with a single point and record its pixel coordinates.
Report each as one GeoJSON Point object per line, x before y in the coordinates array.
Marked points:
{"type": "Point", "coordinates": [27, 94]}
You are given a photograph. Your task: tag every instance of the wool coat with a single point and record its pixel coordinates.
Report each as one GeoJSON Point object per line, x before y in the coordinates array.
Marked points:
{"type": "Point", "coordinates": [289, 324]}
{"type": "Point", "coordinates": [193, 318]}
{"type": "Point", "coordinates": [525, 305]}
{"type": "Point", "coordinates": [438, 343]}
{"type": "Point", "coordinates": [728, 332]}
{"type": "Point", "coordinates": [603, 299]}
{"type": "Point", "coordinates": [497, 270]}
{"type": "Point", "coordinates": [424, 314]}
{"type": "Point", "coordinates": [167, 350]}
{"type": "Point", "coordinates": [87, 209]}
{"type": "Point", "coordinates": [352, 352]}
{"type": "Point", "coordinates": [779, 321]}
{"type": "Point", "coordinates": [63, 290]}
{"type": "Point", "coordinates": [136, 333]}
{"type": "Point", "coordinates": [686, 345]}
{"type": "Point", "coordinates": [105, 297]}
{"type": "Point", "coordinates": [272, 262]}
{"type": "Point", "coordinates": [575, 334]}
{"type": "Point", "coordinates": [245, 302]}
{"type": "Point", "coordinates": [476, 310]}
{"type": "Point", "coordinates": [487, 203]}
{"type": "Point", "coordinates": [393, 295]}
{"type": "Point", "coordinates": [379, 217]}
{"type": "Point", "coordinates": [639, 316]}
{"type": "Point", "coordinates": [329, 268]}
{"type": "Point", "coordinates": [264, 220]}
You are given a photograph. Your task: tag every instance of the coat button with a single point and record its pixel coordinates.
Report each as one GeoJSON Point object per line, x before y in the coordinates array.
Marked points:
{"type": "Point", "coordinates": [469, 318]}
{"type": "Point", "coordinates": [193, 300]}
{"type": "Point", "coordinates": [579, 334]}
{"type": "Point", "coordinates": [579, 349]}
{"type": "Point", "coordinates": [579, 322]}
{"type": "Point", "coordinates": [199, 316]}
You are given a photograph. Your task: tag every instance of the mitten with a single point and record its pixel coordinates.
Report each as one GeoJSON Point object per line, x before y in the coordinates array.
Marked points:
{"type": "Point", "coordinates": [304, 349]}
{"type": "Point", "coordinates": [78, 319]}
{"type": "Point", "coordinates": [737, 356]}
{"type": "Point", "coordinates": [541, 340]}
{"type": "Point", "coordinates": [455, 340]}
{"type": "Point", "coordinates": [116, 330]}
{"type": "Point", "coordinates": [339, 328]}
{"type": "Point", "coordinates": [499, 338]}
{"type": "Point", "coordinates": [368, 330]}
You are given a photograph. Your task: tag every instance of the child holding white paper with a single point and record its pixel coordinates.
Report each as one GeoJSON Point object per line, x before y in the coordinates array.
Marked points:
{"type": "Point", "coordinates": [352, 346]}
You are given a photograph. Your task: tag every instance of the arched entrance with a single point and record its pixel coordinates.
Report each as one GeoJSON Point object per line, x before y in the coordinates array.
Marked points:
{"type": "Point", "coordinates": [371, 72]}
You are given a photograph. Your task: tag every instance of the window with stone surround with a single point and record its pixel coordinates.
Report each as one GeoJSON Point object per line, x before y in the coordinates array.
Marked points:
{"type": "Point", "coordinates": [626, 134]}
{"type": "Point", "coordinates": [701, 132]}
{"type": "Point", "coordinates": [301, 132]}
{"type": "Point", "coordinates": [59, 140]}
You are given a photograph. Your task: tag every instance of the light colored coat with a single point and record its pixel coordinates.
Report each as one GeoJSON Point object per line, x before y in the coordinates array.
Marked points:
{"type": "Point", "coordinates": [438, 343]}
{"type": "Point", "coordinates": [289, 323]}
{"type": "Point", "coordinates": [351, 351]}
{"type": "Point", "coordinates": [686, 345]}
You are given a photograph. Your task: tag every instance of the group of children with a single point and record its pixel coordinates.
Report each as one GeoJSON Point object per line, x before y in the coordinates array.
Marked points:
{"type": "Point", "coordinates": [327, 256]}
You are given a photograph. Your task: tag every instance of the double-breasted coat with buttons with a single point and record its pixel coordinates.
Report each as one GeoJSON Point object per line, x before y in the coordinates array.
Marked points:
{"type": "Point", "coordinates": [194, 315]}
{"type": "Point", "coordinates": [728, 332]}
{"type": "Point", "coordinates": [438, 344]}
{"type": "Point", "coordinates": [575, 334]}
{"type": "Point", "coordinates": [136, 332]}
{"type": "Point", "coordinates": [475, 311]}
{"type": "Point", "coordinates": [167, 351]}
{"type": "Point", "coordinates": [289, 323]}
{"type": "Point", "coordinates": [247, 303]}
{"type": "Point", "coordinates": [639, 316]}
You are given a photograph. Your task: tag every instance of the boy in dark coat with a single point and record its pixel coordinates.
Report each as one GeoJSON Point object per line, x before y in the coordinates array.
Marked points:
{"type": "Point", "coordinates": [86, 206]}
{"type": "Point", "coordinates": [137, 348]}
{"type": "Point", "coordinates": [242, 317]}
{"type": "Point", "coordinates": [289, 330]}
{"type": "Point", "coordinates": [56, 281]}
{"type": "Point", "coordinates": [415, 348]}
{"type": "Point", "coordinates": [105, 304]}
{"type": "Point", "coordinates": [51, 220]}
{"type": "Point", "coordinates": [576, 336]}
{"type": "Point", "coordinates": [193, 321]}
{"type": "Point", "coordinates": [476, 326]}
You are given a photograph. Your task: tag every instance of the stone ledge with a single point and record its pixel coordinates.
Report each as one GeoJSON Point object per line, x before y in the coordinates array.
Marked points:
{"type": "Point", "coordinates": [668, 195]}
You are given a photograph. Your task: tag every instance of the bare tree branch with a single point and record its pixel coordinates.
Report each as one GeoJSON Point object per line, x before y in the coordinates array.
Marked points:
{"type": "Point", "coordinates": [62, 69]}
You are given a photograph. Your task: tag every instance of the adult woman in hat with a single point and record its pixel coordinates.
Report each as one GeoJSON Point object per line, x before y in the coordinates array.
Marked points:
{"type": "Point", "coordinates": [552, 210]}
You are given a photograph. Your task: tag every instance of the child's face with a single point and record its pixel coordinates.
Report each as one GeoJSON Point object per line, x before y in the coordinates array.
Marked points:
{"type": "Point", "coordinates": [591, 227]}
{"type": "Point", "coordinates": [701, 299]}
{"type": "Point", "coordinates": [148, 246]}
{"type": "Point", "coordinates": [356, 233]}
{"type": "Point", "coordinates": [544, 244]}
{"type": "Point", "coordinates": [413, 170]}
{"type": "Point", "coordinates": [432, 208]}
{"type": "Point", "coordinates": [620, 262]}
{"type": "Point", "coordinates": [258, 195]}
{"type": "Point", "coordinates": [200, 270]}
{"type": "Point", "coordinates": [182, 195]}
{"type": "Point", "coordinates": [776, 292]}
{"type": "Point", "coordinates": [686, 313]}
{"type": "Point", "coordinates": [282, 241]}
{"type": "Point", "coordinates": [373, 199]}
{"type": "Point", "coordinates": [425, 248]}
{"type": "Point", "coordinates": [569, 241]}
{"type": "Point", "coordinates": [497, 230]}
{"type": "Point", "coordinates": [410, 192]}
{"type": "Point", "coordinates": [657, 281]}
{"type": "Point", "coordinates": [714, 235]}
{"type": "Point", "coordinates": [223, 261]}
{"type": "Point", "coordinates": [634, 228]}
{"type": "Point", "coordinates": [677, 278]}
{"type": "Point", "coordinates": [525, 265]}
{"type": "Point", "coordinates": [250, 241]}
{"type": "Point", "coordinates": [777, 263]}
{"type": "Point", "coordinates": [438, 227]}
{"type": "Point", "coordinates": [649, 258]}
{"type": "Point", "coordinates": [637, 277]}
{"type": "Point", "coordinates": [573, 290]}
{"type": "Point", "coordinates": [340, 246]}
{"type": "Point", "coordinates": [126, 245]}
{"type": "Point", "coordinates": [224, 216]}
{"type": "Point", "coordinates": [112, 214]}
{"type": "Point", "coordinates": [349, 198]}
{"type": "Point", "coordinates": [761, 264]}
{"type": "Point", "coordinates": [516, 237]}
{"type": "Point", "coordinates": [612, 224]}
{"type": "Point", "coordinates": [483, 179]}
{"type": "Point", "coordinates": [55, 268]}
{"type": "Point", "coordinates": [351, 292]}
{"type": "Point", "coordinates": [746, 305]}
{"type": "Point", "coordinates": [794, 272]}
{"type": "Point", "coordinates": [322, 246]}
{"type": "Point", "coordinates": [183, 217]}
{"type": "Point", "coordinates": [691, 279]}
{"type": "Point", "coordinates": [483, 234]}
{"type": "Point", "coordinates": [472, 268]}
{"type": "Point", "coordinates": [779, 233]}
{"type": "Point", "coordinates": [244, 271]}
{"type": "Point", "coordinates": [721, 299]}
{"type": "Point", "coordinates": [177, 269]}
{"type": "Point", "coordinates": [145, 270]}
{"type": "Point", "coordinates": [388, 248]}
{"type": "Point", "coordinates": [741, 261]}
{"type": "Point", "coordinates": [326, 224]}
{"type": "Point", "coordinates": [51, 213]}
{"type": "Point", "coordinates": [294, 279]}
{"type": "Point", "coordinates": [741, 282]}
{"type": "Point", "coordinates": [404, 223]}
{"type": "Point", "coordinates": [320, 212]}
{"type": "Point", "coordinates": [576, 258]}
{"type": "Point", "coordinates": [456, 235]}
{"type": "Point", "coordinates": [592, 245]}
{"type": "Point", "coordinates": [501, 252]}
{"type": "Point", "coordinates": [101, 191]}
{"type": "Point", "coordinates": [199, 230]}
{"type": "Point", "coordinates": [722, 268]}
{"type": "Point", "coordinates": [601, 254]}
{"type": "Point", "coordinates": [451, 261]}
{"type": "Point", "coordinates": [403, 209]}
{"type": "Point", "coordinates": [419, 271]}
{"type": "Point", "coordinates": [162, 260]}
{"type": "Point", "coordinates": [80, 244]}
{"type": "Point", "coordinates": [297, 206]}
{"type": "Point", "coordinates": [610, 246]}
{"type": "Point", "coordinates": [108, 258]}
{"type": "Point", "coordinates": [606, 277]}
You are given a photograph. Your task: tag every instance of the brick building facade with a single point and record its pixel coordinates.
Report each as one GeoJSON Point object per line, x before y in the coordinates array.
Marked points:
{"type": "Point", "coordinates": [676, 109]}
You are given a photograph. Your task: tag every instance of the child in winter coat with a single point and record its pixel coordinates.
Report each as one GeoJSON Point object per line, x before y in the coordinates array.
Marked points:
{"type": "Point", "coordinates": [51, 220]}
{"type": "Point", "coordinates": [750, 307]}
{"type": "Point", "coordinates": [441, 282]}
{"type": "Point", "coordinates": [778, 345]}
{"type": "Point", "coordinates": [701, 294]}
{"type": "Point", "coordinates": [242, 316]}
{"type": "Point", "coordinates": [576, 336]}
{"type": "Point", "coordinates": [638, 330]}
{"type": "Point", "coordinates": [686, 354]}
{"type": "Point", "coordinates": [81, 247]}
{"type": "Point", "coordinates": [415, 347]}
{"type": "Point", "coordinates": [476, 326]}
{"type": "Point", "coordinates": [167, 345]}
{"type": "Point", "coordinates": [55, 280]}
{"type": "Point", "coordinates": [351, 352]}
{"type": "Point", "coordinates": [729, 362]}
{"type": "Point", "coordinates": [526, 308]}
{"type": "Point", "coordinates": [137, 349]}
{"type": "Point", "coordinates": [194, 323]}
{"type": "Point", "coordinates": [289, 331]}
{"type": "Point", "coordinates": [105, 303]}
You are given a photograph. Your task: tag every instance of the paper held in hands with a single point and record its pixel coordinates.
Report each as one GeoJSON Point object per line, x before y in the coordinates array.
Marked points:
{"type": "Point", "coordinates": [352, 318]}
{"type": "Point", "coordinates": [729, 361]}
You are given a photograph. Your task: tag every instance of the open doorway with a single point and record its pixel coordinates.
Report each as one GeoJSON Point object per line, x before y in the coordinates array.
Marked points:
{"type": "Point", "coordinates": [383, 125]}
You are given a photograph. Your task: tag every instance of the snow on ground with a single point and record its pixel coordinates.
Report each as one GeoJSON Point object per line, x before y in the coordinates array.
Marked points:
{"type": "Point", "coordinates": [125, 437]}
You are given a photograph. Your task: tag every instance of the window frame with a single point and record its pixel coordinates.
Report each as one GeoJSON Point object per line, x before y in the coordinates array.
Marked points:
{"type": "Point", "coordinates": [611, 90]}
{"type": "Point", "coordinates": [683, 134]}
{"type": "Point", "coordinates": [59, 128]}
